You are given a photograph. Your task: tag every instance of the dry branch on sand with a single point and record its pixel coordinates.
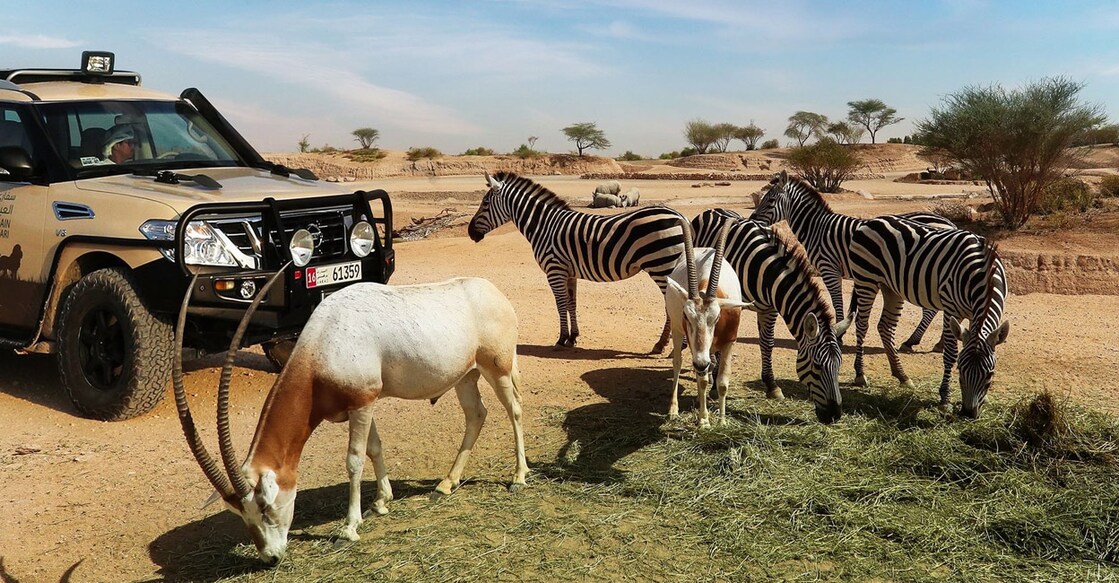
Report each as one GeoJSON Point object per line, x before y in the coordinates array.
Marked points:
{"type": "Point", "coordinates": [422, 227]}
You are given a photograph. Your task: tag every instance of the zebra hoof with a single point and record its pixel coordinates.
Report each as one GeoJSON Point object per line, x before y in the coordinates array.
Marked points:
{"type": "Point", "coordinates": [906, 384]}
{"type": "Point", "coordinates": [860, 381]}
{"type": "Point", "coordinates": [775, 393]}
{"type": "Point", "coordinates": [938, 347]}
{"type": "Point", "coordinates": [907, 348]}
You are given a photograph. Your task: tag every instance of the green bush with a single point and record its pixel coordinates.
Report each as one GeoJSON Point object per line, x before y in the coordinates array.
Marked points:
{"type": "Point", "coordinates": [369, 155]}
{"type": "Point", "coordinates": [479, 151]}
{"type": "Point", "coordinates": [824, 164]}
{"type": "Point", "coordinates": [770, 144]}
{"type": "Point", "coordinates": [524, 152]}
{"type": "Point", "coordinates": [1066, 194]}
{"type": "Point", "coordinates": [669, 156]}
{"type": "Point", "coordinates": [629, 157]}
{"type": "Point", "coordinates": [1109, 186]}
{"type": "Point", "coordinates": [421, 153]}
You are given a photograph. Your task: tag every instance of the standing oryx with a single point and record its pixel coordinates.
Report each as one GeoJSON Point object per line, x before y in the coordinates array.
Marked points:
{"type": "Point", "coordinates": [570, 245]}
{"type": "Point", "coordinates": [363, 342]}
{"type": "Point", "coordinates": [826, 236]}
{"type": "Point", "coordinates": [954, 271]}
{"type": "Point", "coordinates": [776, 277]}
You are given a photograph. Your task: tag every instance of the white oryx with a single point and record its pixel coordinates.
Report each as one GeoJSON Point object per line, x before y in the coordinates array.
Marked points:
{"type": "Point", "coordinates": [363, 342]}
{"type": "Point", "coordinates": [709, 321]}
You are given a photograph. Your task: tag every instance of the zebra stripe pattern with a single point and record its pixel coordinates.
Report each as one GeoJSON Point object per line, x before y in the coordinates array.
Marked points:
{"type": "Point", "coordinates": [570, 245]}
{"type": "Point", "coordinates": [776, 276]}
{"type": "Point", "coordinates": [955, 271]}
{"type": "Point", "coordinates": [826, 235]}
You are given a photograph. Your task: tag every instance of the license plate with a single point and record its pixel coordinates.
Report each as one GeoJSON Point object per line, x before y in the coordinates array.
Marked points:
{"type": "Point", "coordinates": [324, 275]}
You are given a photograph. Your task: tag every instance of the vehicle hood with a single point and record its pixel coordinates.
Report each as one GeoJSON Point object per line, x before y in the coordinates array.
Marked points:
{"type": "Point", "coordinates": [238, 185]}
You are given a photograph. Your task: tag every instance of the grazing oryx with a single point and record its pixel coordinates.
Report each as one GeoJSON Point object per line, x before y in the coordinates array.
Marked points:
{"type": "Point", "coordinates": [955, 271]}
{"type": "Point", "coordinates": [826, 236]}
{"type": "Point", "coordinates": [709, 320]}
{"type": "Point", "coordinates": [776, 277]}
{"type": "Point", "coordinates": [570, 245]}
{"type": "Point", "coordinates": [363, 342]}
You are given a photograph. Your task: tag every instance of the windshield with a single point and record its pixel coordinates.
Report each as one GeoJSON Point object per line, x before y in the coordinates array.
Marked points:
{"type": "Point", "coordinates": [116, 137]}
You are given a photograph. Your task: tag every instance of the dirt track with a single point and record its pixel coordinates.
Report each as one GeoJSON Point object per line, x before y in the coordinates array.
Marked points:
{"type": "Point", "coordinates": [123, 497]}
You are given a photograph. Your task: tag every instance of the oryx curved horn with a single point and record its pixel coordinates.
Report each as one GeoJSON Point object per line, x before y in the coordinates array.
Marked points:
{"type": "Point", "coordinates": [225, 442]}
{"type": "Point", "coordinates": [717, 261]}
{"type": "Point", "coordinates": [689, 256]}
{"type": "Point", "coordinates": [209, 467]}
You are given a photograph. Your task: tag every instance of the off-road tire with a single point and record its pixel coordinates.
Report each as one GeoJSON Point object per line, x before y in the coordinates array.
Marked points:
{"type": "Point", "coordinates": [114, 355]}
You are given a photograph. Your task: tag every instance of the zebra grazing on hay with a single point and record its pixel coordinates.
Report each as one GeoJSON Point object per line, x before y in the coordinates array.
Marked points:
{"type": "Point", "coordinates": [955, 271]}
{"type": "Point", "coordinates": [776, 277]}
{"type": "Point", "coordinates": [571, 245]}
{"type": "Point", "coordinates": [826, 235]}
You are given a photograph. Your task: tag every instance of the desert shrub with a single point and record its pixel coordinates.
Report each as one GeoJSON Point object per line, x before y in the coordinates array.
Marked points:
{"type": "Point", "coordinates": [1109, 186]}
{"type": "Point", "coordinates": [954, 210]}
{"type": "Point", "coordinates": [1108, 134]}
{"type": "Point", "coordinates": [1067, 194]}
{"type": "Point", "coordinates": [824, 164]}
{"type": "Point", "coordinates": [524, 152]}
{"type": "Point", "coordinates": [669, 156]}
{"type": "Point", "coordinates": [895, 141]}
{"type": "Point", "coordinates": [421, 153]}
{"type": "Point", "coordinates": [479, 151]}
{"type": "Point", "coordinates": [629, 157]}
{"type": "Point", "coordinates": [770, 144]}
{"type": "Point", "coordinates": [326, 149]}
{"type": "Point", "coordinates": [369, 155]}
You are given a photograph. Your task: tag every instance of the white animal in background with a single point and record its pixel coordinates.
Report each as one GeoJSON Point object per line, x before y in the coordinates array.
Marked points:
{"type": "Point", "coordinates": [710, 321]}
{"type": "Point", "coordinates": [630, 197]}
{"type": "Point", "coordinates": [363, 342]}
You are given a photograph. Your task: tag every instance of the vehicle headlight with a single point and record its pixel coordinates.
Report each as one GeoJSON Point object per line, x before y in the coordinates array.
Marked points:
{"type": "Point", "coordinates": [202, 244]}
{"type": "Point", "coordinates": [362, 239]}
{"type": "Point", "coordinates": [302, 246]}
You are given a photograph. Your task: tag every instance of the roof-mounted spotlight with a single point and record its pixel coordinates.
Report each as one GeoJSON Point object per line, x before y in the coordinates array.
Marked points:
{"type": "Point", "coordinates": [97, 63]}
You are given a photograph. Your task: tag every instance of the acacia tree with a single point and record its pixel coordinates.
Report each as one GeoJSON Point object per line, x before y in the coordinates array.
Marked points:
{"type": "Point", "coordinates": [724, 133]}
{"type": "Point", "coordinates": [304, 143]}
{"type": "Point", "coordinates": [700, 135]}
{"type": "Point", "coordinates": [845, 133]}
{"type": "Point", "coordinates": [1016, 140]}
{"type": "Point", "coordinates": [366, 137]}
{"type": "Point", "coordinates": [749, 135]}
{"type": "Point", "coordinates": [825, 164]}
{"type": "Point", "coordinates": [872, 114]}
{"type": "Point", "coordinates": [804, 125]}
{"type": "Point", "coordinates": [586, 135]}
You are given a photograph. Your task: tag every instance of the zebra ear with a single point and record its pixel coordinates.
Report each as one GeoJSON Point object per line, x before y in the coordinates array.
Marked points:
{"type": "Point", "coordinates": [492, 182]}
{"type": "Point", "coordinates": [999, 335]}
{"type": "Point", "coordinates": [756, 198]}
{"type": "Point", "coordinates": [811, 327]}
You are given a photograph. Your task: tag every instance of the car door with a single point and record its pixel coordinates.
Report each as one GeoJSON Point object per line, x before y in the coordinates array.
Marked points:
{"type": "Point", "coordinates": [24, 266]}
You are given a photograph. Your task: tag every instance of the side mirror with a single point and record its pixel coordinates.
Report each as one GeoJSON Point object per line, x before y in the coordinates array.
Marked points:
{"type": "Point", "coordinates": [15, 164]}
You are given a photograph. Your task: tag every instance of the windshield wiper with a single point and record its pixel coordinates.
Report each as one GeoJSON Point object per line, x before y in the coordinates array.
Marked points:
{"type": "Point", "coordinates": [171, 177]}
{"type": "Point", "coordinates": [281, 170]}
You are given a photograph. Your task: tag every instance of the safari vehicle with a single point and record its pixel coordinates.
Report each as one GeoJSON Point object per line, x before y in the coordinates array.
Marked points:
{"type": "Point", "coordinates": [97, 249]}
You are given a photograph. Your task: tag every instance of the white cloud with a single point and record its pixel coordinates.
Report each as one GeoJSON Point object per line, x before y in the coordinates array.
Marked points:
{"type": "Point", "coordinates": [37, 41]}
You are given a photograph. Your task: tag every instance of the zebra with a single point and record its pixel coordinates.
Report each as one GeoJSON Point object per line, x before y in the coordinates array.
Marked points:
{"type": "Point", "coordinates": [570, 245]}
{"type": "Point", "coordinates": [826, 235]}
{"type": "Point", "coordinates": [955, 271]}
{"type": "Point", "coordinates": [776, 276]}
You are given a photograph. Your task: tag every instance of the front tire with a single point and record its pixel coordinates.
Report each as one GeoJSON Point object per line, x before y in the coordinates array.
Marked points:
{"type": "Point", "coordinates": [114, 355]}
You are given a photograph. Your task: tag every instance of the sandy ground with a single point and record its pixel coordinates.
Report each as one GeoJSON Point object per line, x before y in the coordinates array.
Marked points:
{"type": "Point", "coordinates": [123, 498]}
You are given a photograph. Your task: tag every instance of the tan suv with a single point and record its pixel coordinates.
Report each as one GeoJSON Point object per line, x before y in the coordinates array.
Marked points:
{"type": "Point", "coordinates": [112, 196]}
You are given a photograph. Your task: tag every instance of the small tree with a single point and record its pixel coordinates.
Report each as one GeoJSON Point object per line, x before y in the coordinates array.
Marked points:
{"type": "Point", "coordinates": [872, 114]}
{"type": "Point", "coordinates": [304, 143]}
{"type": "Point", "coordinates": [804, 125]}
{"type": "Point", "coordinates": [749, 135]}
{"type": "Point", "coordinates": [532, 142]}
{"type": "Point", "coordinates": [1017, 140]}
{"type": "Point", "coordinates": [770, 145]}
{"type": "Point", "coordinates": [700, 134]}
{"type": "Point", "coordinates": [366, 137]}
{"type": "Point", "coordinates": [845, 133]}
{"type": "Point", "coordinates": [825, 164]}
{"type": "Point", "coordinates": [724, 133]}
{"type": "Point", "coordinates": [586, 135]}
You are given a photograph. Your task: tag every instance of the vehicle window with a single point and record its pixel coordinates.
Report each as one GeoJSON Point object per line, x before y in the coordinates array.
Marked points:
{"type": "Point", "coordinates": [13, 132]}
{"type": "Point", "coordinates": [158, 135]}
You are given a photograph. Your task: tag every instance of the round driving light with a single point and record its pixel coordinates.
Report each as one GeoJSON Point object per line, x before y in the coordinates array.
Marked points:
{"type": "Point", "coordinates": [302, 246]}
{"type": "Point", "coordinates": [362, 238]}
{"type": "Point", "coordinates": [248, 289]}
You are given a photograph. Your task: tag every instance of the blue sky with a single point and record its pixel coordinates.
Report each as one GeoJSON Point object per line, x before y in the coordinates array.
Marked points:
{"type": "Point", "coordinates": [456, 75]}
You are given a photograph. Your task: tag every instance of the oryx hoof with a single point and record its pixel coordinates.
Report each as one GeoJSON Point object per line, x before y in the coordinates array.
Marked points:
{"type": "Point", "coordinates": [349, 532]}
{"type": "Point", "coordinates": [516, 487]}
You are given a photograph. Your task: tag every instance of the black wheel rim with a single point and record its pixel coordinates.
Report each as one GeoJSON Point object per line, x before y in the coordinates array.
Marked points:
{"type": "Point", "coordinates": [101, 348]}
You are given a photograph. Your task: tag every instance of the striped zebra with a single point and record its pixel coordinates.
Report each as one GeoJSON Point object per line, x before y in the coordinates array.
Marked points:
{"type": "Point", "coordinates": [826, 235]}
{"type": "Point", "coordinates": [955, 271]}
{"type": "Point", "coordinates": [570, 245]}
{"type": "Point", "coordinates": [776, 276]}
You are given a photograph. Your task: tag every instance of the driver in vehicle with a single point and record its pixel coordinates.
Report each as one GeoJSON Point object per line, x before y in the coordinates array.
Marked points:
{"type": "Point", "coordinates": [120, 146]}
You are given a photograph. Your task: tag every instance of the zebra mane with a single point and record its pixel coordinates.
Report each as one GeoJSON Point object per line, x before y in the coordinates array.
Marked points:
{"type": "Point", "coordinates": [541, 193]}
{"type": "Point", "coordinates": [811, 192]}
{"type": "Point", "coordinates": [991, 254]}
{"type": "Point", "coordinates": [795, 253]}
